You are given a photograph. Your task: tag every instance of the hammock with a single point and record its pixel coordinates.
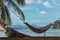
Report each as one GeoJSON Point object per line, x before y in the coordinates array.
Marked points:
{"type": "Point", "coordinates": [40, 30]}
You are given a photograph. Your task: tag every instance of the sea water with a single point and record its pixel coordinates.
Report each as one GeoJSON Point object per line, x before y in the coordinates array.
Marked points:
{"type": "Point", "coordinates": [25, 30]}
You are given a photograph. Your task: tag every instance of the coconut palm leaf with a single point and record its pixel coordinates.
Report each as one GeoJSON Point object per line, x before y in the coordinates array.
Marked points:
{"type": "Point", "coordinates": [5, 14]}
{"type": "Point", "coordinates": [22, 2]}
{"type": "Point", "coordinates": [20, 12]}
{"type": "Point", "coordinates": [8, 19]}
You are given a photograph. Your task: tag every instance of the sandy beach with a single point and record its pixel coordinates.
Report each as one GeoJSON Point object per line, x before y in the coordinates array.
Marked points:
{"type": "Point", "coordinates": [49, 33]}
{"type": "Point", "coordinates": [2, 32]}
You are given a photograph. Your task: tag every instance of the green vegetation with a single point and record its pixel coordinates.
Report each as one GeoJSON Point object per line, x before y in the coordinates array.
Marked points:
{"type": "Point", "coordinates": [5, 14]}
{"type": "Point", "coordinates": [7, 32]}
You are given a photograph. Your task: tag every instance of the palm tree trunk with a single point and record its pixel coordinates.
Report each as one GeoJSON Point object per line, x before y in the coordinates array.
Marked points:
{"type": "Point", "coordinates": [12, 32]}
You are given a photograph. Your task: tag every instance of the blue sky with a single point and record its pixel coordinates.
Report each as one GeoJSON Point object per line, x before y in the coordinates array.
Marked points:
{"type": "Point", "coordinates": [39, 12]}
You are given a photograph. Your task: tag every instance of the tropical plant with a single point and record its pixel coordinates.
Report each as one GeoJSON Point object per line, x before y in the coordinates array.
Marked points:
{"type": "Point", "coordinates": [4, 11]}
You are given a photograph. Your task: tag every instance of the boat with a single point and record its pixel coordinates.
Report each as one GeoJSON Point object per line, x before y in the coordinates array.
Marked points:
{"type": "Point", "coordinates": [40, 30]}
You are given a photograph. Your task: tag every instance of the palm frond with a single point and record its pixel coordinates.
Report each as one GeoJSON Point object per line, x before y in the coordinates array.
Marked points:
{"type": "Point", "coordinates": [8, 19]}
{"type": "Point", "coordinates": [22, 2]}
{"type": "Point", "coordinates": [5, 15]}
{"type": "Point", "coordinates": [20, 12]}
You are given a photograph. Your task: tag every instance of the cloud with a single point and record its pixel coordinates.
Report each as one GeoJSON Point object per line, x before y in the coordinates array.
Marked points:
{"type": "Point", "coordinates": [39, 1]}
{"type": "Point", "coordinates": [29, 1]}
{"type": "Point", "coordinates": [47, 4]}
{"type": "Point", "coordinates": [33, 1]}
{"type": "Point", "coordinates": [43, 12]}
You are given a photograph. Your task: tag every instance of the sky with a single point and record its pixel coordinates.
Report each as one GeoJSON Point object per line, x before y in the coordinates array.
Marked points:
{"type": "Point", "coordinates": [38, 12]}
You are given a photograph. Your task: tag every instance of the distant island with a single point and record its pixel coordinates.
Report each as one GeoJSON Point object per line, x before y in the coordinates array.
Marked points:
{"type": "Point", "coordinates": [56, 24]}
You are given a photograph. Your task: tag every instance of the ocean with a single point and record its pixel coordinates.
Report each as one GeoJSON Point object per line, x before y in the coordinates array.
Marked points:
{"type": "Point", "coordinates": [25, 30]}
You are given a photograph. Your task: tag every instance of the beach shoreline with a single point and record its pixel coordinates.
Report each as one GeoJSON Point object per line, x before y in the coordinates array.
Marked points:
{"type": "Point", "coordinates": [30, 38]}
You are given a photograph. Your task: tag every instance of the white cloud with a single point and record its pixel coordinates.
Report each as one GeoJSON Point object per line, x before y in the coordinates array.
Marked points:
{"type": "Point", "coordinates": [29, 1]}
{"type": "Point", "coordinates": [43, 12]}
{"type": "Point", "coordinates": [33, 1]}
{"type": "Point", "coordinates": [47, 4]}
{"type": "Point", "coordinates": [39, 1]}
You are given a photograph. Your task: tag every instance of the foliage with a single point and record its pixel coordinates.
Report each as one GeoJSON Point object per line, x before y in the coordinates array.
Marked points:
{"type": "Point", "coordinates": [5, 14]}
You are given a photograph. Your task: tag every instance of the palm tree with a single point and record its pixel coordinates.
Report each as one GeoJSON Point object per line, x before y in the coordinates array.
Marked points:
{"type": "Point", "coordinates": [5, 14]}
{"type": "Point", "coordinates": [11, 32]}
